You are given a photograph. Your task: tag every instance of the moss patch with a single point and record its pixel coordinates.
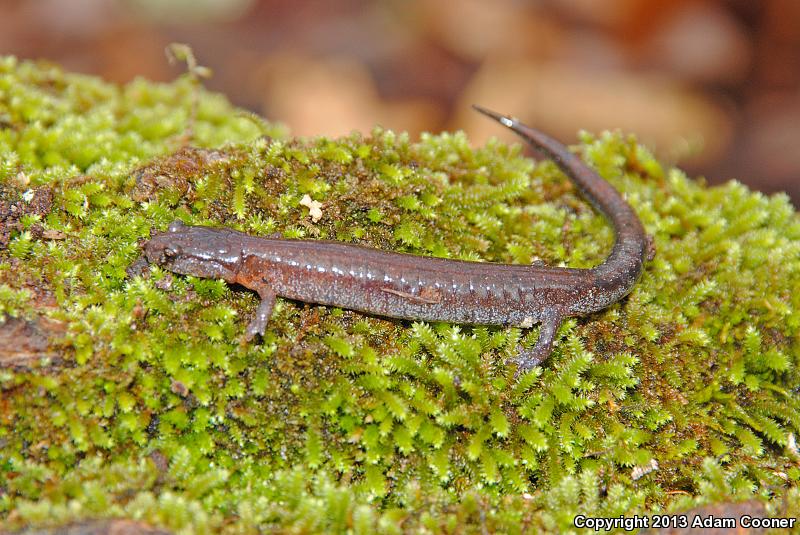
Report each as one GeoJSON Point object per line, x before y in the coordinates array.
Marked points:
{"type": "Point", "coordinates": [146, 404]}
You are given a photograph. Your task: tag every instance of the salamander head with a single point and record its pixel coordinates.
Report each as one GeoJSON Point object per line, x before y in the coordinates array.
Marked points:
{"type": "Point", "coordinates": [200, 251]}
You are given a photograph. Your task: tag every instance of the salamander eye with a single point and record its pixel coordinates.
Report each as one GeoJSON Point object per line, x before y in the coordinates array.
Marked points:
{"type": "Point", "coordinates": [171, 251]}
{"type": "Point", "coordinates": [176, 226]}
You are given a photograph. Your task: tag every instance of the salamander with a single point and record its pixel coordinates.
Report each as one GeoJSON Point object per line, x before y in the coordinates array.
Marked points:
{"type": "Point", "coordinates": [412, 287]}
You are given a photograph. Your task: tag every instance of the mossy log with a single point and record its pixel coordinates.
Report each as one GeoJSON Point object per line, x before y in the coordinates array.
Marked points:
{"type": "Point", "coordinates": [131, 394]}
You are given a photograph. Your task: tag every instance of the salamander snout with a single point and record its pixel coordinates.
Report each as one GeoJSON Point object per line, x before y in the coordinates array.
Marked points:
{"type": "Point", "coordinates": [164, 248]}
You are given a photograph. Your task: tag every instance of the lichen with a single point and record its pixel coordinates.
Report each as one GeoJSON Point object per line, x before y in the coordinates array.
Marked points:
{"type": "Point", "coordinates": [156, 409]}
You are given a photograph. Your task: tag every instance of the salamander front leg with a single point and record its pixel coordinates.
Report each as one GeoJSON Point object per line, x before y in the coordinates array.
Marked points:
{"type": "Point", "coordinates": [263, 313]}
{"type": "Point", "coordinates": [534, 356]}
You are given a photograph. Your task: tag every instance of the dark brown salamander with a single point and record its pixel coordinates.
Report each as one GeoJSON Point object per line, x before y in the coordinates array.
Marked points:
{"type": "Point", "coordinates": [415, 287]}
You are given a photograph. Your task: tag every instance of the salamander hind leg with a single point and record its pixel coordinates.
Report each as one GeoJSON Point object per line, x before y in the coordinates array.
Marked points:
{"type": "Point", "coordinates": [259, 322]}
{"type": "Point", "coordinates": [529, 358]}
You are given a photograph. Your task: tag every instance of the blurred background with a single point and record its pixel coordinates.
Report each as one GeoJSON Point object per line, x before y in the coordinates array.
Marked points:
{"type": "Point", "coordinates": [710, 85]}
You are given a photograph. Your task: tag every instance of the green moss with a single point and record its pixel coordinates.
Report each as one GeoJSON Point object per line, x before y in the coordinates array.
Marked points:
{"type": "Point", "coordinates": [155, 408]}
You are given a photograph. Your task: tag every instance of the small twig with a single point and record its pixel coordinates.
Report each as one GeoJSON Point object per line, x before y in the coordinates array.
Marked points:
{"type": "Point", "coordinates": [180, 52]}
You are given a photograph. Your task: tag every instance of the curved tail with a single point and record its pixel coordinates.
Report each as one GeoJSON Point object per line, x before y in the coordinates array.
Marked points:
{"type": "Point", "coordinates": [624, 264]}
